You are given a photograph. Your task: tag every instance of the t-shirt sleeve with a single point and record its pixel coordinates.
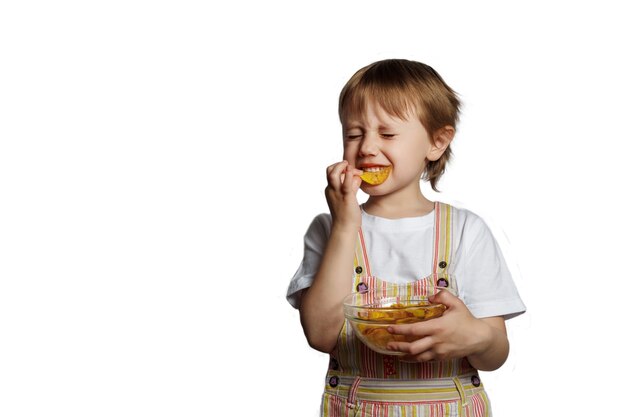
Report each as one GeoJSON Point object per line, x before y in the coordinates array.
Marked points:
{"type": "Point", "coordinates": [485, 282]}
{"type": "Point", "coordinates": [315, 241]}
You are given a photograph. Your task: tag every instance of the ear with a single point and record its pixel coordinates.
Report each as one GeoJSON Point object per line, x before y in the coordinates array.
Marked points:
{"type": "Point", "coordinates": [440, 142]}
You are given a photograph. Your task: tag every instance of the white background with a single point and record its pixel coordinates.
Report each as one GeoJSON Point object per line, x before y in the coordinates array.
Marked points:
{"type": "Point", "coordinates": [160, 162]}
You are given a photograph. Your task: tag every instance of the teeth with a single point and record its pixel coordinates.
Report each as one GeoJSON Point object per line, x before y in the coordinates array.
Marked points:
{"type": "Point", "coordinates": [374, 169]}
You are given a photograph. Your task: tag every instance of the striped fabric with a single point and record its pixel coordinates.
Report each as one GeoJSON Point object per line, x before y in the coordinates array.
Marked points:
{"type": "Point", "coordinates": [361, 382]}
{"type": "Point", "coordinates": [446, 397]}
{"type": "Point", "coordinates": [477, 405]}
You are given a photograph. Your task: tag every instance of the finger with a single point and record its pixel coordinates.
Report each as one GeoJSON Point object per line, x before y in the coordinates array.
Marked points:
{"type": "Point", "coordinates": [348, 182]}
{"type": "Point", "coordinates": [446, 298]}
{"type": "Point", "coordinates": [425, 357]}
{"type": "Point", "coordinates": [421, 329]}
{"type": "Point", "coordinates": [412, 348]}
{"type": "Point", "coordinates": [332, 168]}
{"type": "Point", "coordinates": [352, 181]}
{"type": "Point", "coordinates": [334, 173]}
{"type": "Point", "coordinates": [356, 182]}
{"type": "Point", "coordinates": [356, 179]}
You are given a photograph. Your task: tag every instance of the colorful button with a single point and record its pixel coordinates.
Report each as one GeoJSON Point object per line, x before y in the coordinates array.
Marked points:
{"type": "Point", "coordinates": [475, 380]}
{"type": "Point", "coordinates": [333, 381]}
{"type": "Point", "coordinates": [442, 282]}
{"type": "Point", "coordinates": [361, 287]}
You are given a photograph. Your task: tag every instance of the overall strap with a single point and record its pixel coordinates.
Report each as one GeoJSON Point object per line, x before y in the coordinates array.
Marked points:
{"type": "Point", "coordinates": [361, 261]}
{"type": "Point", "coordinates": [442, 245]}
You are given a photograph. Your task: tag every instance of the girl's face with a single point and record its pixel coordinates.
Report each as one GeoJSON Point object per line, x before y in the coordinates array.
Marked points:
{"type": "Point", "coordinates": [376, 140]}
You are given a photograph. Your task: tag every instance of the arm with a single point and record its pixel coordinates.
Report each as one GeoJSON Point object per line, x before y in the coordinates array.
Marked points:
{"type": "Point", "coordinates": [321, 309]}
{"type": "Point", "coordinates": [487, 283]}
{"type": "Point", "coordinates": [495, 345]}
{"type": "Point", "coordinates": [456, 334]}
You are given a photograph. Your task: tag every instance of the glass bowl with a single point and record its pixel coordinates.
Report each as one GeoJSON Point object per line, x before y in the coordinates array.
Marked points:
{"type": "Point", "coordinates": [370, 313]}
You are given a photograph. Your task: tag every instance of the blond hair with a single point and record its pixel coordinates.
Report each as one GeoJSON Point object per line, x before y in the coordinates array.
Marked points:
{"type": "Point", "coordinates": [402, 87]}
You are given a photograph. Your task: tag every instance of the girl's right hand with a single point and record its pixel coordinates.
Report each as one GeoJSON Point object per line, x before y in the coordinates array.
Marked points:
{"type": "Point", "coordinates": [343, 183]}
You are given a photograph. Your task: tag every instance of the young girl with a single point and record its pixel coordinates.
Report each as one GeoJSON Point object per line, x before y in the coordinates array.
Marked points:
{"type": "Point", "coordinates": [398, 119]}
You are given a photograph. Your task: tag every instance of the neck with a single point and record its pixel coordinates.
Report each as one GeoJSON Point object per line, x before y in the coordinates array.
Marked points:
{"type": "Point", "coordinates": [412, 203]}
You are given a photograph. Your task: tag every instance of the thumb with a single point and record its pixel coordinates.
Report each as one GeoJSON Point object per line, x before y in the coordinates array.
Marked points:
{"type": "Point", "coordinates": [356, 183]}
{"type": "Point", "coordinates": [444, 297]}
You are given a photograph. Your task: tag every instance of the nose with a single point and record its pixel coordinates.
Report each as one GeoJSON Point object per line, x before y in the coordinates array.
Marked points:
{"type": "Point", "coordinates": [369, 145]}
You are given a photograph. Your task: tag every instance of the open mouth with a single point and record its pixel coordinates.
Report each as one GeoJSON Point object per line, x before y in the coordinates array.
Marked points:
{"type": "Point", "coordinates": [375, 175]}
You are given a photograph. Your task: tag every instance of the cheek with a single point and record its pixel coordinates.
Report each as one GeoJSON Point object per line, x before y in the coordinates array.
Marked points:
{"type": "Point", "coordinates": [409, 161]}
{"type": "Point", "coordinates": [349, 153]}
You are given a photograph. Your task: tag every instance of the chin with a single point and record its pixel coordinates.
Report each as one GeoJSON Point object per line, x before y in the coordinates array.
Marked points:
{"type": "Point", "coordinates": [375, 190]}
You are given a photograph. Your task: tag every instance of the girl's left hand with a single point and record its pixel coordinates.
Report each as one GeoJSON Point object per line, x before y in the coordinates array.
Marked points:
{"type": "Point", "coordinates": [456, 334]}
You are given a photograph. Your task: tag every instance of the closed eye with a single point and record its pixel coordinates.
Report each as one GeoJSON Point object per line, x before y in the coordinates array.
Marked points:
{"type": "Point", "coordinates": [388, 135]}
{"type": "Point", "coordinates": [353, 137]}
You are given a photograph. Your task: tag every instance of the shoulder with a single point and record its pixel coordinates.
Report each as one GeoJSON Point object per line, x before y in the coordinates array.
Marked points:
{"type": "Point", "coordinates": [475, 242]}
{"type": "Point", "coordinates": [468, 220]}
{"type": "Point", "coordinates": [319, 230]}
{"type": "Point", "coordinates": [321, 223]}
{"type": "Point", "coordinates": [470, 228]}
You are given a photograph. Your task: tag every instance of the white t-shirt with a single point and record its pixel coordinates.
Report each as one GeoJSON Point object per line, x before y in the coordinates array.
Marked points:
{"type": "Point", "coordinates": [401, 250]}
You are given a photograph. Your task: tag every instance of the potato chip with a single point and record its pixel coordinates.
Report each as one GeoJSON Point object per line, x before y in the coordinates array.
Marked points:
{"type": "Point", "coordinates": [376, 177]}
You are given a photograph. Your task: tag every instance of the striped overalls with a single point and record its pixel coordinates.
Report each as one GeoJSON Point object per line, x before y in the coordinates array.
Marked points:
{"type": "Point", "coordinates": [361, 382]}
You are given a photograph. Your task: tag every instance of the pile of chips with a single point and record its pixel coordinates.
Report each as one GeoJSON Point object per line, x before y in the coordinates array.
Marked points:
{"type": "Point", "coordinates": [375, 334]}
